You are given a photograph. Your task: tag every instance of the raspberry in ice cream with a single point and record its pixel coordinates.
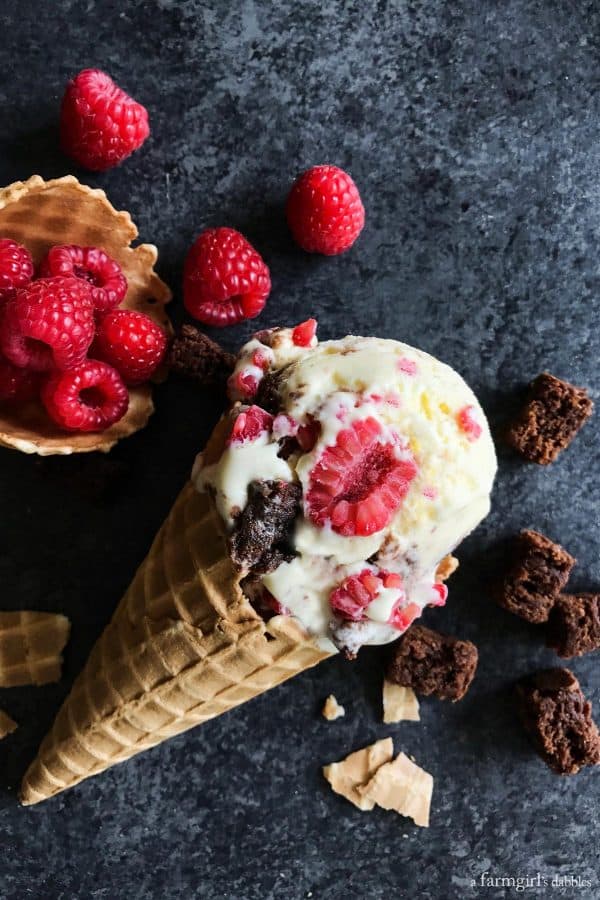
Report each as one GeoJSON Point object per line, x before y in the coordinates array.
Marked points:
{"type": "Point", "coordinates": [392, 461]}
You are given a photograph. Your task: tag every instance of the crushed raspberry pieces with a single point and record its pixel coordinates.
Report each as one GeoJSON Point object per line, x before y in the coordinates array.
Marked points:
{"type": "Point", "coordinates": [308, 434]}
{"type": "Point", "coordinates": [284, 426]}
{"type": "Point", "coordinates": [390, 399]}
{"type": "Point", "coordinates": [303, 335]}
{"type": "Point", "coordinates": [267, 605]}
{"type": "Point", "coordinates": [351, 599]}
{"type": "Point", "coordinates": [440, 592]}
{"type": "Point", "coordinates": [430, 492]}
{"type": "Point", "coordinates": [408, 366]}
{"type": "Point", "coordinates": [360, 481]}
{"type": "Point", "coordinates": [260, 360]}
{"type": "Point", "coordinates": [468, 423]}
{"type": "Point", "coordinates": [242, 385]}
{"type": "Point", "coordinates": [403, 616]}
{"type": "Point", "coordinates": [249, 425]}
{"type": "Point", "coordinates": [273, 603]}
{"type": "Point", "coordinates": [354, 594]}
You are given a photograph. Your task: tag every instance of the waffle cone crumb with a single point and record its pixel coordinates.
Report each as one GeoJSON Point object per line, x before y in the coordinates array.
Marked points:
{"type": "Point", "coordinates": [400, 703]}
{"type": "Point", "coordinates": [7, 725]}
{"type": "Point", "coordinates": [348, 775]}
{"type": "Point", "coordinates": [446, 568]}
{"type": "Point", "coordinates": [402, 786]}
{"type": "Point", "coordinates": [31, 644]}
{"type": "Point", "coordinates": [332, 709]}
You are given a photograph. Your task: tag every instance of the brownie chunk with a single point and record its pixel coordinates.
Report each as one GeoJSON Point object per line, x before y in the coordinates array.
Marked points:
{"type": "Point", "coordinates": [261, 535]}
{"type": "Point", "coordinates": [550, 419]}
{"type": "Point", "coordinates": [559, 721]}
{"type": "Point", "coordinates": [574, 624]}
{"type": "Point", "coordinates": [195, 356]}
{"type": "Point", "coordinates": [267, 396]}
{"type": "Point", "coordinates": [433, 663]}
{"type": "Point", "coordinates": [538, 573]}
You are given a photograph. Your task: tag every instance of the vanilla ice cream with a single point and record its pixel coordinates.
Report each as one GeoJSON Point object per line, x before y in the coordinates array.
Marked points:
{"type": "Point", "coordinates": [388, 458]}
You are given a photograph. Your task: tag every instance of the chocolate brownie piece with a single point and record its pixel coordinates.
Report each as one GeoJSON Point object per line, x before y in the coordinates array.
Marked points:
{"type": "Point", "coordinates": [558, 719]}
{"type": "Point", "coordinates": [539, 571]}
{"type": "Point", "coordinates": [267, 395]}
{"type": "Point", "coordinates": [261, 532]}
{"type": "Point", "coordinates": [550, 419]}
{"type": "Point", "coordinates": [574, 624]}
{"type": "Point", "coordinates": [196, 356]}
{"type": "Point", "coordinates": [433, 663]}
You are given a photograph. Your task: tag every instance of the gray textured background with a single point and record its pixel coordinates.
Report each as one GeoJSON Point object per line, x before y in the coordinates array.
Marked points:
{"type": "Point", "coordinates": [472, 129]}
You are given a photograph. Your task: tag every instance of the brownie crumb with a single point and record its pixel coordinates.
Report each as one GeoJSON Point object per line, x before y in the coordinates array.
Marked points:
{"type": "Point", "coordinates": [552, 416]}
{"type": "Point", "coordinates": [267, 396]}
{"type": "Point", "coordinates": [196, 356]}
{"type": "Point", "coordinates": [261, 535]}
{"type": "Point", "coordinates": [558, 719]}
{"type": "Point", "coordinates": [574, 625]}
{"type": "Point", "coordinates": [539, 571]}
{"type": "Point", "coordinates": [433, 663]}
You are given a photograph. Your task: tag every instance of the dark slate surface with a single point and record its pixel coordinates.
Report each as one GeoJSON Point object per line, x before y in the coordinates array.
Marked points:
{"type": "Point", "coordinates": [473, 131]}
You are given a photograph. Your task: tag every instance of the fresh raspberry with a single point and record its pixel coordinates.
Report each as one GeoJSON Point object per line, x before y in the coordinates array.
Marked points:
{"type": "Point", "coordinates": [469, 424]}
{"type": "Point", "coordinates": [224, 279]}
{"type": "Point", "coordinates": [16, 267]}
{"type": "Point", "coordinates": [109, 285]}
{"type": "Point", "coordinates": [132, 343]}
{"type": "Point", "coordinates": [48, 324]}
{"type": "Point", "coordinates": [100, 125]}
{"type": "Point", "coordinates": [360, 481]}
{"type": "Point", "coordinates": [17, 385]}
{"type": "Point", "coordinates": [324, 211]}
{"type": "Point", "coordinates": [303, 335]}
{"type": "Point", "coordinates": [249, 425]}
{"type": "Point", "coordinates": [357, 592]}
{"type": "Point", "coordinates": [90, 397]}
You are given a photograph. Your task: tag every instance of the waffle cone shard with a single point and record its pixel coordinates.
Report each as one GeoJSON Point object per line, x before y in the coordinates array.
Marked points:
{"type": "Point", "coordinates": [184, 646]}
{"type": "Point", "coordinates": [31, 644]}
{"type": "Point", "coordinates": [40, 213]}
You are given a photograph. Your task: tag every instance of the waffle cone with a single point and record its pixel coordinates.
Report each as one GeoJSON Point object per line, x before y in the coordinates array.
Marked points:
{"type": "Point", "coordinates": [39, 214]}
{"type": "Point", "coordinates": [184, 646]}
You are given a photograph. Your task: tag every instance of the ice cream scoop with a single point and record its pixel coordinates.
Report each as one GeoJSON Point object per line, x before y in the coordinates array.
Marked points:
{"type": "Point", "coordinates": [348, 471]}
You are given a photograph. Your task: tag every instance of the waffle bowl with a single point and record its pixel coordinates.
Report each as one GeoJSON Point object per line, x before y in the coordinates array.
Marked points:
{"type": "Point", "coordinates": [39, 214]}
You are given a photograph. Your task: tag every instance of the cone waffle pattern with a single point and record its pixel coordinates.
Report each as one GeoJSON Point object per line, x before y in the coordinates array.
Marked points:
{"type": "Point", "coordinates": [30, 647]}
{"type": "Point", "coordinates": [184, 646]}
